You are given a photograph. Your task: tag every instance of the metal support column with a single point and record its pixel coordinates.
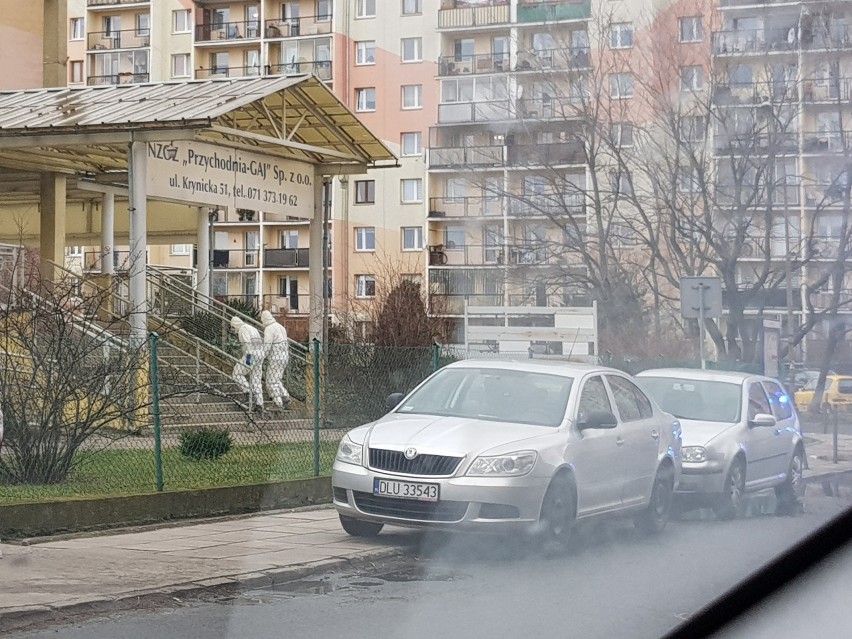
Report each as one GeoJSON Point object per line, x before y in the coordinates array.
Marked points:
{"type": "Point", "coordinates": [138, 241]}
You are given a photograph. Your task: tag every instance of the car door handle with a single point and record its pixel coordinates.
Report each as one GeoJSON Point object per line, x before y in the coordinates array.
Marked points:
{"type": "Point", "coordinates": [619, 441]}
{"type": "Point", "coordinates": [655, 434]}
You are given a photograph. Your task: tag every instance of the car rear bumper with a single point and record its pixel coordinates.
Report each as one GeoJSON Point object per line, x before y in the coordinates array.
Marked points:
{"type": "Point", "coordinates": [465, 503]}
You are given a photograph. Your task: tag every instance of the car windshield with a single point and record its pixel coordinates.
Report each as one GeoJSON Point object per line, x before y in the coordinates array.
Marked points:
{"type": "Point", "coordinates": [493, 394]}
{"type": "Point", "coordinates": [700, 400]}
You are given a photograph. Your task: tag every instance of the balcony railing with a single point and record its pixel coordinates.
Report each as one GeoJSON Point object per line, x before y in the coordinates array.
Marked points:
{"type": "Point", "coordinates": [454, 303]}
{"type": "Point", "coordinates": [469, 64]}
{"type": "Point", "coordinates": [459, 16]}
{"type": "Point", "coordinates": [757, 143]}
{"type": "Point", "coordinates": [837, 89]}
{"type": "Point", "coordinates": [320, 68]}
{"type": "Point", "coordinates": [755, 40]}
{"type": "Point", "coordinates": [754, 93]}
{"type": "Point", "coordinates": [835, 37]}
{"type": "Point", "coordinates": [466, 255]}
{"type": "Point", "coordinates": [553, 59]}
{"type": "Point", "coordinates": [118, 78]}
{"type": "Point", "coordinates": [826, 141]}
{"type": "Point", "coordinates": [226, 72]}
{"type": "Point", "coordinates": [286, 258]}
{"type": "Point", "coordinates": [764, 298]}
{"type": "Point", "coordinates": [484, 111]}
{"type": "Point", "coordinates": [530, 11]}
{"type": "Point", "coordinates": [301, 26]}
{"type": "Point", "coordinates": [545, 154]}
{"type": "Point", "coordinates": [467, 156]}
{"type": "Point", "coordinates": [825, 299]}
{"type": "Point", "coordinates": [125, 39]}
{"type": "Point", "coordinates": [549, 108]}
{"type": "Point", "coordinates": [292, 304]}
{"type": "Point", "coordinates": [111, 3]}
{"type": "Point", "coordinates": [456, 207]}
{"type": "Point", "coordinates": [824, 195]}
{"type": "Point", "coordinates": [227, 31]}
{"type": "Point", "coordinates": [236, 258]}
{"type": "Point", "coordinates": [556, 205]}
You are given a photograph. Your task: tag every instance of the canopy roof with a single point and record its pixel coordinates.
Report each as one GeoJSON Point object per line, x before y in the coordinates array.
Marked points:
{"type": "Point", "coordinates": [87, 130]}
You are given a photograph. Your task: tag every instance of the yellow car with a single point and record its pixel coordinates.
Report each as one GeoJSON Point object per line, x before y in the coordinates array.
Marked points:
{"type": "Point", "coordinates": [836, 397]}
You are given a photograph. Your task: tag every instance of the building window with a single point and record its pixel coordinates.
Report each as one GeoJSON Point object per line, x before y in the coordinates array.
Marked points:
{"type": "Point", "coordinates": [112, 26]}
{"type": "Point", "coordinates": [180, 65]}
{"type": "Point", "coordinates": [365, 192]}
{"type": "Point", "coordinates": [692, 128]}
{"type": "Point", "coordinates": [412, 190]}
{"type": "Point", "coordinates": [412, 96]}
{"type": "Point", "coordinates": [74, 251]}
{"type": "Point", "coordinates": [77, 72]}
{"type": "Point", "coordinates": [181, 249]}
{"type": "Point", "coordinates": [454, 237]}
{"type": "Point", "coordinates": [621, 35]}
{"type": "Point", "coordinates": [621, 85]}
{"type": "Point", "coordinates": [365, 99]}
{"type": "Point", "coordinates": [365, 52]}
{"type": "Point", "coordinates": [691, 78]}
{"type": "Point", "coordinates": [143, 25]}
{"type": "Point", "coordinates": [323, 10]}
{"type": "Point", "coordinates": [621, 183]}
{"type": "Point", "coordinates": [181, 21]}
{"type": "Point", "coordinates": [412, 7]}
{"type": "Point", "coordinates": [411, 143]}
{"type": "Point", "coordinates": [412, 238]}
{"type": "Point", "coordinates": [365, 9]}
{"type": "Point", "coordinates": [219, 63]}
{"type": "Point", "coordinates": [78, 28]}
{"type": "Point", "coordinates": [365, 238]}
{"type": "Point", "coordinates": [412, 49]}
{"type": "Point", "coordinates": [365, 286]}
{"type": "Point", "coordinates": [289, 239]}
{"type": "Point", "coordinates": [622, 134]}
{"type": "Point", "coordinates": [691, 29]}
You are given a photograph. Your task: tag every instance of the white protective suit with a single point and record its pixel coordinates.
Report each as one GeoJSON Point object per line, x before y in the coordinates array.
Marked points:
{"type": "Point", "coordinates": [251, 361]}
{"type": "Point", "coordinates": [277, 357]}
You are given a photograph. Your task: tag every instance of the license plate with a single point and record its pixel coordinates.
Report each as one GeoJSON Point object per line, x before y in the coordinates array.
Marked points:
{"type": "Point", "coordinates": [405, 490]}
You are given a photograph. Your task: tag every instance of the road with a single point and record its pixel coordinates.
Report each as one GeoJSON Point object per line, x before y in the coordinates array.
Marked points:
{"type": "Point", "coordinates": [616, 584]}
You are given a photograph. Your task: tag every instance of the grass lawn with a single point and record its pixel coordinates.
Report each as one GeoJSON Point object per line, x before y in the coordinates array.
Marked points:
{"type": "Point", "coordinates": [122, 472]}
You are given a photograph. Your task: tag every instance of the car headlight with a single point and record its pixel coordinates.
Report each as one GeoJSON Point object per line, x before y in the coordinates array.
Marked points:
{"type": "Point", "coordinates": [694, 454]}
{"type": "Point", "coordinates": [511, 465]}
{"type": "Point", "coordinates": [349, 452]}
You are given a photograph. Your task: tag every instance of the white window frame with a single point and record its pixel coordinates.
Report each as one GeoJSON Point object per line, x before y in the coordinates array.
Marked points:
{"type": "Point", "coordinates": [414, 92]}
{"type": "Point", "coordinates": [77, 64]}
{"type": "Point", "coordinates": [369, 191]}
{"type": "Point", "coordinates": [365, 239]}
{"type": "Point", "coordinates": [618, 131]}
{"type": "Point", "coordinates": [408, 138]}
{"type": "Point", "coordinates": [186, 71]}
{"type": "Point", "coordinates": [182, 21]}
{"type": "Point", "coordinates": [691, 78]}
{"type": "Point", "coordinates": [365, 52]}
{"type": "Point", "coordinates": [416, 233]}
{"type": "Point", "coordinates": [363, 8]}
{"type": "Point", "coordinates": [142, 25]}
{"type": "Point", "coordinates": [415, 7]}
{"type": "Point", "coordinates": [323, 16]}
{"type": "Point", "coordinates": [75, 251]}
{"type": "Point", "coordinates": [621, 86]}
{"type": "Point", "coordinates": [362, 100]}
{"type": "Point", "coordinates": [361, 282]}
{"type": "Point", "coordinates": [694, 26]}
{"type": "Point", "coordinates": [78, 29]}
{"type": "Point", "coordinates": [405, 184]}
{"type": "Point", "coordinates": [180, 249]}
{"type": "Point", "coordinates": [416, 53]}
{"type": "Point", "coordinates": [621, 35]}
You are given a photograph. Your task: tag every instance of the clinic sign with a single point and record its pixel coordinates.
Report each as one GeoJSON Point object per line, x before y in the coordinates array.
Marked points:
{"type": "Point", "coordinates": [211, 175]}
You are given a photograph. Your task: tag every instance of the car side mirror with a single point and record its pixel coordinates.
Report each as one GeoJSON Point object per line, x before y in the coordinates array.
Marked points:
{"type": "Point", "coordinates": [393, 400]}
{"type": "Point", "coordinates": [598, 419]}
{"type": "Point", "coordinates": [762, 419]}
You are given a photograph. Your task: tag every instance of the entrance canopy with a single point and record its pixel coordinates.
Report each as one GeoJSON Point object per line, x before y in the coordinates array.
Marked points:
{"type": "Point", "coordinates": [86, 131]}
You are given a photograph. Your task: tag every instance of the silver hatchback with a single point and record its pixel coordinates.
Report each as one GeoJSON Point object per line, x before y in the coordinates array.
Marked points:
{"type": "Point", "coordinates": [486, 445]}
{"type": "Point", "coordinates": [740, 434]}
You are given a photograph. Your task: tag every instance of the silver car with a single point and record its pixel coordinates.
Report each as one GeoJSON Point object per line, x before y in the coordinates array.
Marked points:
{"type": "Point", "coordinates": [486, 445]}
{"type": "Point", "coordinates": [740, 434]}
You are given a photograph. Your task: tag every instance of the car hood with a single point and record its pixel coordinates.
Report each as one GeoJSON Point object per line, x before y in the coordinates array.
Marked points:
{"type": "Point", "coordinates": [700, 433]}
{"type": "Point", "coordinates": [459, 436]}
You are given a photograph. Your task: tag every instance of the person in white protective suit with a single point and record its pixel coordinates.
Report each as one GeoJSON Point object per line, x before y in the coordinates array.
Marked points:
{"type": "Point", "coordinates": [277, 358]}
{"type": "Point", "coordinates": [251, 361]}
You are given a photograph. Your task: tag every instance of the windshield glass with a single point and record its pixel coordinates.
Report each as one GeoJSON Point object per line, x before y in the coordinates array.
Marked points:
{"type": "Point", "coordinates": [493, 394]}
{"type": "Point", "coordinates": [701, 400]}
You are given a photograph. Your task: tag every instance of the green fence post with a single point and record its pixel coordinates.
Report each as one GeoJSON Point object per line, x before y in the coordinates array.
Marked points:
{"type": "Point", "coordinates": [155, 397]}
{"type": "Point", "coordinates": [316, 407]}
{"type": "Point", "coordinates": [436, 356]}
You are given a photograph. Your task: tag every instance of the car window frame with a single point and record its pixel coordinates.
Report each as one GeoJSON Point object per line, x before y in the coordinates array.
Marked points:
{"type": "Point", "coordinates": [756, 383]}
{"type": "Point", "coordinates": [767, 384]}
{"type": "Point", "coordinates": [633, 390]}
{"type": "Point", "coordinates": [582, 387]}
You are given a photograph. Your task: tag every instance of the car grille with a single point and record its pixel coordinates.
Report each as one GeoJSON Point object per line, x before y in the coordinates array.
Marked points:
{"type": "Point", "coordinates": [393, 461]}
{"type": "Point", "coordinates": [410, 508]}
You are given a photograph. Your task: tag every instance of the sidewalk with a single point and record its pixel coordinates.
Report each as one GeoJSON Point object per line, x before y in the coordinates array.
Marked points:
{"type": "Point", "coordinates": [819, 448]}
{"type": "Point", "coordinates": [119, 571]}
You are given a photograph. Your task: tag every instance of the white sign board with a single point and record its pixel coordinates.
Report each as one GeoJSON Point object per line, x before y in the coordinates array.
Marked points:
{"type": "Point", "coordinates": [206, 174]}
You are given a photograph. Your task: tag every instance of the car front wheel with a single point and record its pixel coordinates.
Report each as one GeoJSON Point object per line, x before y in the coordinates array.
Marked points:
{"type": "Point", "coordinates": [729, 504]}
{"type": "Point", "coordinates": [558, 514]}
{"type": "Point", "coordinates": [654, 518]}
{"type": "Point", "coordinates": [791, 493]}
{"type": "Point", "coordinates": [358, 528]}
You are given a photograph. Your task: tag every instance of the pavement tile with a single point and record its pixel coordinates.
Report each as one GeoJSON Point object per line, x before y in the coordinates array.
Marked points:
{"type": "Point", "coordinates": [169, 545]}
{"type": "Point", "coordinates": [227, 551]}
{"type": "Point", "coordinates": [317, 538]}
{"type": "Point", "coordinates": [237, 536]}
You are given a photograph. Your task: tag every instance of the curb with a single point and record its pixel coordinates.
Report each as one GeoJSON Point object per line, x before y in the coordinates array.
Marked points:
{"type": "Point", "coordinates": [16, 619]}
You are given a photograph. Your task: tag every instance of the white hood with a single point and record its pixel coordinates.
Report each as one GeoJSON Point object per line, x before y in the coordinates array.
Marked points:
{"type": "Point", "coordinates": [266, 318]}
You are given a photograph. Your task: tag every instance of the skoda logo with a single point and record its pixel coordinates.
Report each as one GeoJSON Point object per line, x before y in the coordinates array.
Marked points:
{"type": "Point", "coordinates": [410, 453]}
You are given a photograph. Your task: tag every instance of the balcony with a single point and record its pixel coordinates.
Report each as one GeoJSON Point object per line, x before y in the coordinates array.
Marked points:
{"type": "Point", "coordinates": [480, 111]}
{"type": "Point", "coordinates": [236, 259]}
{"type": "Point", "coordinates": [564, 59]}
{"type": "Point", "coordinates": [226, 72]}
{"type": "Point", "coordinates": [286, 258]}
{"type": "Point", "coordinates": [227, 31]}
{"type": "Point", "coordinates": [550, 108]}
{"type": "Point", "coordinates": [529, 11]}
{"type": "Point", "coordinates": [762, 298]}
{"type": "Point", "coordinates": [460, 16]}
{"type": "Point", "coordinates": [775, 40]}
{"type": "Point", "coordinates": [124, 39]}
{"type": "Point", "coordinates": [103, 4]}
{"type": "Point", "coordinates": [754, 93]}
{"type": "Point", "coordinates": [290, 304]}
{"type": "Point", "coordinates": [320, 68]}
{"type": "Point", "coordinates": [454, 303]}
{"type": "Point", "coordinates": [294, 27]}
{"type": "Point", "coordinates": [758, 143]}
{"type": "Point", "coordinates": [127, 77]}
{"type": "Point", "coordinates": [461, 207]}
{"type": "Point", "coordinates": [826, 141]}
{"type": "Point", "coordinates": [549, 206]}
{"type": "Point", "coordinates": [466, 156]}
{"type": "Point", "coordinates": [823, 90]}
{"type": "Point", "coordinates": [472, 64]}
{"type": "Point", "coordinates": [530, 155]}
{"type": "Point", "coordinates": [466, 255]}
{"type": "Point", "coordinates": [838, 36]}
